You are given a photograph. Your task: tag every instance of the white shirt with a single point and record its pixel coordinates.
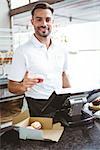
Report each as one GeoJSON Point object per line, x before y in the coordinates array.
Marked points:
{"type": "Point", "coordinates": [35, 58]}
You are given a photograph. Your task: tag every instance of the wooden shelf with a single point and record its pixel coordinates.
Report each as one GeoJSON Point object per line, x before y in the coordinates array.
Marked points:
{"type": "Point", "coordinates": [5, 60]}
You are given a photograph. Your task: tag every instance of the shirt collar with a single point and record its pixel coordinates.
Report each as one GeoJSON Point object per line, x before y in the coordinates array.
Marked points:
{"type": "Point", "coordinates": [37, 43]}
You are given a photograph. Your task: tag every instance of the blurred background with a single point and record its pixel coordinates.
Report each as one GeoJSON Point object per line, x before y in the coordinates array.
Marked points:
{"type": "Point", "coordinates": [77, 24]}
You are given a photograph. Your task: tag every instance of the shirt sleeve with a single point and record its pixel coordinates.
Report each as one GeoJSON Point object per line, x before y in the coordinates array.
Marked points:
{"type": "Point", "coordinates": [18, 67]}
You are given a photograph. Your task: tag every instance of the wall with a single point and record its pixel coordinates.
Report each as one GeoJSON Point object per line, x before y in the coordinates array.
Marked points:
{"type": "Point", "coordinates": [4, 14]}
{"type": "Point", "coordinates": [84, 53]}
{"type": "Point", "coordinates": [5, 34]}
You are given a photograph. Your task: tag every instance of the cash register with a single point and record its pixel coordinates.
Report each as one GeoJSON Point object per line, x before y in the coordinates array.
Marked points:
{"type": "Point", "coordinates": [68, 106]}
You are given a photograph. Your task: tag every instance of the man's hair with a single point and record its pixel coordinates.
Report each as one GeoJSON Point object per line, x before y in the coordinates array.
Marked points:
{"type": "Point", "coordinates": [42, 5]}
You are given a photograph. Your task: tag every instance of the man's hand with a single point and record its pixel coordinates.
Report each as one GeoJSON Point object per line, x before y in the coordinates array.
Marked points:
{"type": "Point", "coordinates": [65, 81]}
{"type": "Point", "coordinates": [23, 86]}
{"type": "Point", "coordinates": [28, 82]}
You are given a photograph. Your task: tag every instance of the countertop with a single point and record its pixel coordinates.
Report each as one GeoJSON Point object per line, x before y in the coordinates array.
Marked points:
{"type": "Point", "coordinates": [5, 95]}
{"type": "Point", "coordinates": [73, 138]}
{"type": "Point", "coordinates": [3, 81]}
{"type": "Point", "coordinates": [76, 138]}
{"type": "Point", "coordinates": [10, 104]}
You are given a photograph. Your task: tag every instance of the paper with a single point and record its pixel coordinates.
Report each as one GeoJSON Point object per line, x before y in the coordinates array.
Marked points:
{"type": "Point", "coordinates": [29, 134]}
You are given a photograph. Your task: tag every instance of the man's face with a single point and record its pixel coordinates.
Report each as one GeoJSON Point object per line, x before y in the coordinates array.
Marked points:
{"type": "Point", "coordinates": [42, 22]}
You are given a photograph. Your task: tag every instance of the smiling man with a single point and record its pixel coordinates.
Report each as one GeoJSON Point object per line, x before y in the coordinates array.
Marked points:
{"type": "Point", "coordinates": [39, 66]}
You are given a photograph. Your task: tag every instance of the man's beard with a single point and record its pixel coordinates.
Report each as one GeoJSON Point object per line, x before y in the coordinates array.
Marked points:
{"type": "Point", "coordinates": [43, 33]}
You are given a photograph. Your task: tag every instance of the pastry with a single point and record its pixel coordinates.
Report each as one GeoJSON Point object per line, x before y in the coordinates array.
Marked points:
{"type": "Point", "coordinates": [36, 125]}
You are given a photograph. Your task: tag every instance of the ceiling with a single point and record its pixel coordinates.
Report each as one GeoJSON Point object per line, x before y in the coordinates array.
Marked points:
{"type": "Point", "coordinates": [79, 10]}
{"type": "Point", "coordinates": [68, 11]}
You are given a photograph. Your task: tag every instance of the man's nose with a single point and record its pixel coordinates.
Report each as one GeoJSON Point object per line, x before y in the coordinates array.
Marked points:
{"type": "Point", "coordinates": [44, 23]}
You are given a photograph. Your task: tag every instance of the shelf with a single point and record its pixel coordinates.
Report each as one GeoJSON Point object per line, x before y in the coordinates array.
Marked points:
{"type": "Point", "coordinates": [6, 60]}
{"type": "Point", "coordinates": [6, 39]}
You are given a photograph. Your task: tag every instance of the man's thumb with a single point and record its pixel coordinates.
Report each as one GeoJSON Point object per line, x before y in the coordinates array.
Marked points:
{"type": "Point", "coordinates": [26, 74]}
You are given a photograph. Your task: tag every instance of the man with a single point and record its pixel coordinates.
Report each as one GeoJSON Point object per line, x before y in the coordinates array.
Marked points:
{"type": "Point", "coordinates": [39, 66]}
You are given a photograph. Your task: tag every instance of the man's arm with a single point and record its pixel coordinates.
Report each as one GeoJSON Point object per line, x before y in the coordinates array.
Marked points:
{"type": "Point", "coordinates": [23, 86]}
{"type": "Point", "coordinates": [65, 81]}
{"type": "Point", "coordinates": [16, 87]}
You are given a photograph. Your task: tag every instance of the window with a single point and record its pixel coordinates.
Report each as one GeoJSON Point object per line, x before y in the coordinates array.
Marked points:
{"type": "Point", "coordinates": [18, 3]}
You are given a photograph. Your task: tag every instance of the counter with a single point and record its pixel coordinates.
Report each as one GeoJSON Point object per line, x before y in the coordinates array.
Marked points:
{"type": "Point", "coordinates": [10, 105]}
{"type": "Point", "coordinates": [5, 95]}
{"type": "Point", "coordinates": [76, 138]}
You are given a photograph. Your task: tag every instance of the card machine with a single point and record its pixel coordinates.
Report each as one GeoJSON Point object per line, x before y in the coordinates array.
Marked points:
{"type": "Point", "coordinates": [68, 108]}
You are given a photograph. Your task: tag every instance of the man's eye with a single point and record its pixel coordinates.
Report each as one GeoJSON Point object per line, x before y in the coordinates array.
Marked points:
{"type": "Point", "coordinates": [39, 19]}
{"type": "Point", "coordinates": [48, 19]}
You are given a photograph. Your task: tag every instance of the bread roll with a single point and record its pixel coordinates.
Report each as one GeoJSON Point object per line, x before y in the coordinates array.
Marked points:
{"type": "Point", "coordinates": [36, 125]}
